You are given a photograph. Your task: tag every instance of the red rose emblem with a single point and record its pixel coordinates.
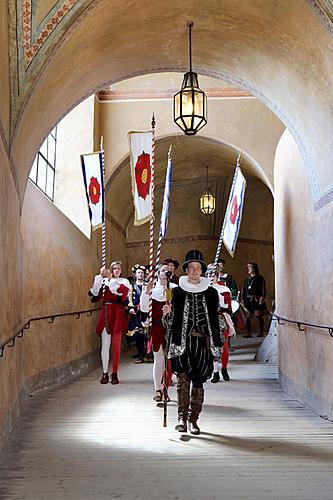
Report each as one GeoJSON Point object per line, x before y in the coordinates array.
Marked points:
{"type": "Point", "coordinates": [234, 210]}
{"type": "Point", "coordinates": [94, 191]}
{"type": "Point", "coordinates": [143, 174]}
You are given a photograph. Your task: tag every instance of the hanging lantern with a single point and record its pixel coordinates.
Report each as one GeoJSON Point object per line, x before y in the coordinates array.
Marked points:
{"type": "Point", "coordinates": [190, 103]}
{"type": "Point", "coordinates": [207, 200]}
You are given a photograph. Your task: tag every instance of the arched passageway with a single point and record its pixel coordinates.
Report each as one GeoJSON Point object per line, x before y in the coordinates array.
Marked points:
{"type": "Point", "coordinates": [261, 46]}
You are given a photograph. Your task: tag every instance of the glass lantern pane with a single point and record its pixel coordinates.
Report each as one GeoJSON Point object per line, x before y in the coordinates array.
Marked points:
{"type": "Point", "coordinates": [198, 103]}
{"type": "Point", "coordinates": [187, 104]}
{"type": "Point", "coordinates": [196, 122]}
{"type": "Point", "coordinates": [177, 105]}
{"type": "Point", "coordinates": [188, 121]}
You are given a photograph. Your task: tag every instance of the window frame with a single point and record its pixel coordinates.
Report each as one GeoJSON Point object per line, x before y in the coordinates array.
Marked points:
{"type": "Point", "coordinates": [49, 165]}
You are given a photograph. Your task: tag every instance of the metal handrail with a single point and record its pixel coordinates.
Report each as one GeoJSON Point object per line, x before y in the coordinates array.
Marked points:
{"type": "Point", "coordinates": [301, 324]}
{"type": "Point", "coordinates": [51, 317]}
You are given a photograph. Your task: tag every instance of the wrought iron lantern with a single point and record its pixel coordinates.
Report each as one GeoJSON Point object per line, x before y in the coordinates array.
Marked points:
{"type": "Point", "coordinates": [207, 200]}
{"type": "Point", "coordinates": [190, 103]}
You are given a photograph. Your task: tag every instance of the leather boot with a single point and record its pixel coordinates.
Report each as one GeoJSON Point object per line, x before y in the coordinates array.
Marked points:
{"type": "Point", "coordinates": [197, 399]}
{"type": "Point", "coordinates": [183, 393]}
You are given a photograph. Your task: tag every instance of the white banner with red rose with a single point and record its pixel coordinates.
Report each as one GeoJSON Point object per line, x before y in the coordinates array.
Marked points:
{"type": "Point", "coordinates": [233, 215]}
{"type": "Point", "coordinates": [92, 169]}
{"type": "Point", "coordinates": [141, 144]}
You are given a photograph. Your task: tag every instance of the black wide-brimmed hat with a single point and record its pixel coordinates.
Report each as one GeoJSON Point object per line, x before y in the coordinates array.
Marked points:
{"type": "Point", "coordinates": [194, 256]}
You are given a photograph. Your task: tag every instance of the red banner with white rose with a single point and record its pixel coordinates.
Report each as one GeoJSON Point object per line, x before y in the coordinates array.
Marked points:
{"type": "Point", "coordinates": [92, 170]}
{"type": "Point", "coordinates": [141, 145]}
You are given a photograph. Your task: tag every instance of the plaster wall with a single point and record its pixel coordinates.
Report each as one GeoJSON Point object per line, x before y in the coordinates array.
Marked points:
{"type": "Point", "coordinates": [10, 250]}
{"type": "Point", "coordinates": [59, 263]}
{"type": "Point", "coordinates": [304, 267]}
{"type": "Point", "coordinates": [243, 122]}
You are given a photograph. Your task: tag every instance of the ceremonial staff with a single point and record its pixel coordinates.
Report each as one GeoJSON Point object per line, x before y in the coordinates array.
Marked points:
{"type": "Point", "coordinates": [151, 226]}
{"type": "Point", "coordinates": [103, 223]}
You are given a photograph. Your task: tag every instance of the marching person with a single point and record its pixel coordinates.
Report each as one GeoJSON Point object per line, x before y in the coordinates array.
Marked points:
{"type": "Point", "coordinates": [226, 279]}
{"type": "Point", "coordinates": [112, 323]}
{"type": "Point", "coordinates": [196, 337]}
{"type": "Point", "coordinates": [253, 296]}
{"type": "Point", "coordinates": [173, 265]}
{"type": "Point", "coordinates": [225, 309]}
{"type": "Point", "coordinates": [136, 316]}
{"type": "Point", "coordinates": [158, 338]}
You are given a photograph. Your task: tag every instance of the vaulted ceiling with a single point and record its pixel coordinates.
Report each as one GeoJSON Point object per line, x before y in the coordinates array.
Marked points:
{"type": "Point", "coordinates": [279, 50]}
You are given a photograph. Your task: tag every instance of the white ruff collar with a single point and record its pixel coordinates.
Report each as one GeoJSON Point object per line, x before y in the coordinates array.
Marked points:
{"type": "Point", "coordinates": [193, 288]}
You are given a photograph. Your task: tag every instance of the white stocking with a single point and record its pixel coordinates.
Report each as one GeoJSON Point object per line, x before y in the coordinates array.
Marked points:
{"type": "Point", "coordinates": [158, 368]}
{"type": "Point", "coordinates": [105, 352]}
{"type": "Point", "coordinates": [216, 366]}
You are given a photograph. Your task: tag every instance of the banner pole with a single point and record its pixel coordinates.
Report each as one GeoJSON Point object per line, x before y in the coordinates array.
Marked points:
{"type": "Point", "coordinates": [160, 236]}
{"type": "Point", "coordinates": [219, 245]}
{"type": "Point", "coordinates": [151, 225]}
{"type": "Point", "coordinates": [103, 223]}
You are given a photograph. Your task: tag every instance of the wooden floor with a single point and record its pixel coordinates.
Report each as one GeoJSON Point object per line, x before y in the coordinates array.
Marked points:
{"type": "Point", "coordinates": [89, 441]}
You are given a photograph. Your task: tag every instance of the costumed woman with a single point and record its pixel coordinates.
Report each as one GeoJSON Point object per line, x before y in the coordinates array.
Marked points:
{"type": "Point", "coordinates": [158, 332]}
{"type": "Point", "coordinates": [196, 333]}
{"type": "Point", "coordinates": [112, 322]}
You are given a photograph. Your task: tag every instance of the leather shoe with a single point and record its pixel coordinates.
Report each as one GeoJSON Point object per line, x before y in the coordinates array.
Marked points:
{"type": "Point", "coordinates": [114, 379]}
{"type": "Point", "coordinates": [105, 378]}
{"type": "Point", "coordinates": [216, 378]}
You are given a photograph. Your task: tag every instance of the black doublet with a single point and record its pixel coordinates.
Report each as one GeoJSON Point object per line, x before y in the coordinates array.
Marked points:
{"type": "Point", "coordinates": [195, 312]}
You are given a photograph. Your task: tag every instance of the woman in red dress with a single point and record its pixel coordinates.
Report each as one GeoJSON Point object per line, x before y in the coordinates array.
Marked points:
{"type": "Point", "coordinates": [112, 322]}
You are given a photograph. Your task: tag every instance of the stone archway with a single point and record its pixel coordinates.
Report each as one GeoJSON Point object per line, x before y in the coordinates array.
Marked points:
{"type": "Point", "coordinates": [187, 226]}
{"type": "Point", "coordinates": [261, 46]}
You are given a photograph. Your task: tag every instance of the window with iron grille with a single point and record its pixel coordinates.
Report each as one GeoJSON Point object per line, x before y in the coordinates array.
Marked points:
{"type": "Point", "coordinates": [43, 168]}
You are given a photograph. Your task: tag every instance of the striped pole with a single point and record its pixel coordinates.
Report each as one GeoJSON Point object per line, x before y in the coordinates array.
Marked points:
{"type": "Point", "coordinates": [219, 245]}
{"type": "Point", "coordinates": [103, 223]}
{"type": "Point", "coordinates": [160, 237]}
{"type": "Point", "coordinates": [151, 226]}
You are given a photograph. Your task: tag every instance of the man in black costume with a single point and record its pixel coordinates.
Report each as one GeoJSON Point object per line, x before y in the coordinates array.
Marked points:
{"type": "Point", "coordinates": [195, 338]}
